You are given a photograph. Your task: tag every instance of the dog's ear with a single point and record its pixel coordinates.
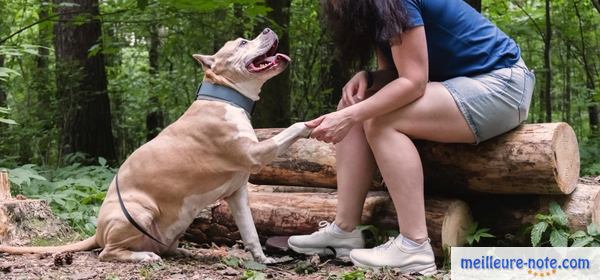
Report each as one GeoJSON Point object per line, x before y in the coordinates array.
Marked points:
{"type": "Point", "coordinates": [206, 61]}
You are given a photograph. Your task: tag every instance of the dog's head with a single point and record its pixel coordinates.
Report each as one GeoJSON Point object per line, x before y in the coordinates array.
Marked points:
{"type": "Point", "coordinates": [245, 65]}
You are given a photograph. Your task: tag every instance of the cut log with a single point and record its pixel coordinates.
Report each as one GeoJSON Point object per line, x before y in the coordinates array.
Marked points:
{"type": "Point", "coordinates": [4, 186]}
{"type": "Point", "coordinates": [532, 159]}
{"type": "Point", "coordinates": [291, 213]}
{"type": "Point", "coordinates": [31, 222]}
{"type": "Point", "coordinates": [509, 216]}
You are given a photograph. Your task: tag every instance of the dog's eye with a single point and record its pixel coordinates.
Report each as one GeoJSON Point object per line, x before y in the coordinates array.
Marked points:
{"type": "Point", "coordinates": [243, 42]}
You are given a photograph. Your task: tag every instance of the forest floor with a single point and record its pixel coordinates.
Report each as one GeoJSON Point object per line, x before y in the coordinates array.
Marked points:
{"type": "Point", "coordinates": [207, 264]}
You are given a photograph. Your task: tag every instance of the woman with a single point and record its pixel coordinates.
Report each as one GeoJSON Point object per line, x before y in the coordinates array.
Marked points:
{"type": "Point", "coordinates": [445, 74]}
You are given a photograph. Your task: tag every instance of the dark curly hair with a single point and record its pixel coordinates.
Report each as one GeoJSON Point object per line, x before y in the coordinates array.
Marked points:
{"type": "Point", "coordinates": [359, 26]}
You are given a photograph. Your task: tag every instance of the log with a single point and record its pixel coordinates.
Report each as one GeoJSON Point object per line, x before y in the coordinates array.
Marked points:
{"type": "Point", "coordinates": [4, 186]}
{"type": "Point", "coordinates": [291, 213]}
{"type": "Point", "coordinates": [532, 159]}
{"type": "Point", "coordinates": [509, 216]}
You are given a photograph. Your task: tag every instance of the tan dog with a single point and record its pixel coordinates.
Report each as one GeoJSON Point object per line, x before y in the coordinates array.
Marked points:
{"type": "Point", "coordinates": [207, 154]}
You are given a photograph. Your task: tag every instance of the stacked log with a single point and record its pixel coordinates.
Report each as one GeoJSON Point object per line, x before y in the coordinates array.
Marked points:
{"type": "Point", "coordinates": [503, 182]}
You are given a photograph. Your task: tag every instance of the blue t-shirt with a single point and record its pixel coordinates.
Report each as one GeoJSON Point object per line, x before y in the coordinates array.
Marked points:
{"type": "Point", "coordinates": [460, 41]}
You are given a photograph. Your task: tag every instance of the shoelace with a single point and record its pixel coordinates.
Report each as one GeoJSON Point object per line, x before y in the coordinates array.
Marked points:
{"type": "Point", "coordinates": [385, 245]}
{"type": "Point", "coordinates": [323, 226]}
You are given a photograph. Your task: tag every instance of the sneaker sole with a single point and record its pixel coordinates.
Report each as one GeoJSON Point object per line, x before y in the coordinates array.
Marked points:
{"type": "Point", "coordinates": [425, 270]}
{"type": "Point", "coordinates": [339, 252]}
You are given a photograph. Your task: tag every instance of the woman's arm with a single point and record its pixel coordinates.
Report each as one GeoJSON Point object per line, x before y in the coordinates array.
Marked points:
{"type": "Point", "coordinates": [411, 63]}
{"type": "Point", "coordinates": [410, 60]}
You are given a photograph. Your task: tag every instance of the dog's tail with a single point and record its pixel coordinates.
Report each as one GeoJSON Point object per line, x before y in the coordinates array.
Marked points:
{"type": "Point", "coordinates": [84, 245]}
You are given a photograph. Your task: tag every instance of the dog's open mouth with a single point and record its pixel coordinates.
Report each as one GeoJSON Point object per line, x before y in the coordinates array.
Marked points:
{"type": "Point", "coordinates": [268, 60]}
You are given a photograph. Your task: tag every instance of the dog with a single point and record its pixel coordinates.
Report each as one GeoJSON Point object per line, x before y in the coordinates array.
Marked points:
{"type": "Point", "coordinates": [206, 155]}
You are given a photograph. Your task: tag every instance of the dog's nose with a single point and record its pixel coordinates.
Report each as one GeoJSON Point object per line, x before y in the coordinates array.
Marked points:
{"type": "Point", "coordinates": [266, 31]}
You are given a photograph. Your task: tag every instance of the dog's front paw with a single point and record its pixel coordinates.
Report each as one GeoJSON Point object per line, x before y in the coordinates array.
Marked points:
{"type": "Point", "coordinates": [302, 130]}
{"type": "Point", "coordinates": [265, 260]}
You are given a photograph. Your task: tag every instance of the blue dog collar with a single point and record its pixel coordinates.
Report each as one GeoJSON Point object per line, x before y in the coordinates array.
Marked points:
{"type": "Point", "coordinates": [227, 94]}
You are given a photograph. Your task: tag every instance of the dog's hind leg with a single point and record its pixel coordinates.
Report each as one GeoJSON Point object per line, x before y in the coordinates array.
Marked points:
{"type": "Point", "coordinates": [238, 203]}
{"type": "Point", "coordinates": [125, 255]}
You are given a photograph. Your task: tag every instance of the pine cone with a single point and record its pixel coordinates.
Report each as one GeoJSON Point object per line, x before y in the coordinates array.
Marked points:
{"type": "Point", "coordinates": [69, 258]}
{"type": "Point", "coordinates": [58, 260]}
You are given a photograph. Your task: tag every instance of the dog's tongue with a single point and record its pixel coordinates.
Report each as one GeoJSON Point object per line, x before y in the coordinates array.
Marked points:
{"type": "Point", "coordinates": [283, 56]}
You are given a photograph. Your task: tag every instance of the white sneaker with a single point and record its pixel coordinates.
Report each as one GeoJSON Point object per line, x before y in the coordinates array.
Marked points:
{"type": "Point", "coordinates": [326, 241]}
{"type": "Point", "coordinates": [394, 254]}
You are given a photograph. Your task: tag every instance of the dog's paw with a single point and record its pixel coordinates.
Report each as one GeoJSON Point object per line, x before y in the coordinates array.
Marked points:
{"type": "Point", "coordinates": [145, 257]}
{"type": "Point", "coordinates": [267, 260]}
{"type": "Point", "coordinates": [302, 130]}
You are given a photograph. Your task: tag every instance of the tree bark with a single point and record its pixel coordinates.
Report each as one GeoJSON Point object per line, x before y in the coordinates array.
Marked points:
{"type": "Point", "coordinates": [2, 93]}
{"type": "Point", "coordinates": [273, 110]}
{"type": "Point", "coordinates": [4, 186]}
{"type": "Point", "coordinates": [155, 120]}
{"type": "Point", "coordinates": [532, 159]}
{"type": "Point", "coordinates": [81, 82]}
{"type": "Point", "coordinates": [512, 215]}
{"type": "Point", "coordinates": [548, 64]}
{"type": "Point", "coordinates": [291, 213]}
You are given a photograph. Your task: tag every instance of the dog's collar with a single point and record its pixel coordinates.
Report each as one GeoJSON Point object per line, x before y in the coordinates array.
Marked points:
{"type": "Point", "coordinates": [210, 91]}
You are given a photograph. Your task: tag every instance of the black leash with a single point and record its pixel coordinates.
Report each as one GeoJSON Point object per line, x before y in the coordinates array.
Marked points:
{"type": "Point", "coordinates": [129, 218]}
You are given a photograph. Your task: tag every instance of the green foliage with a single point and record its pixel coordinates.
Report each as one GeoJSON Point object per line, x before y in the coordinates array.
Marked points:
{"type": "Point", "coordinates": [305, 267]}
{"type": "Point", "coordinates": [552, 229]}
{"type": "Point", "coordinates": [590, 157]}
{"type": "Point", "coordinates": [5, 111]}
{"type": "Point", "coordinates": [375, 236]}
{"type": "Point", "coordinates": [474, 234]}
{"type": "Point", "coordinates": [74, 192]}
{"type": "Point", "coordinates": [253, 275]}
{"type": "Point", "coordinates": [357, 274]}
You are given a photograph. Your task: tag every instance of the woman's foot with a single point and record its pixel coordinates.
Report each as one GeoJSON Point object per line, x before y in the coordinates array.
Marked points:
{"type": "Point", "coordinates": [328, 240]}
{"type": "Point", "coordinates": [396, 253]}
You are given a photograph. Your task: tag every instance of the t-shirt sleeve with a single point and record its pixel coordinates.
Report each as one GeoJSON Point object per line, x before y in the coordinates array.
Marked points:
{"type": "Point", "coordinates": [413, 11]}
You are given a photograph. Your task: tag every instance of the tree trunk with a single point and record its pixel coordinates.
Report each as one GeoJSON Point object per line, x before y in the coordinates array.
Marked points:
{"type": "Point", "coordinates": [568, 86]}
{"type": "Point", "coordinates": [273, 109]}
{"type": "Point", "coordinates": [548, 64]}
{"type": "Point", "coordinates": [596, 5]}
{"type": "Point", "coordinates": [476, 4]}
{"type": "Point", "coordinates": [81, 82]}
{"type": "Point", "coordinates": [155, 120]}
{"type": "Point", "coordinates": [2, 93]}
{"type": "Point", "coordinates": [511, 215]}
{"type": "Point", "coordinates": [589, 76]}
{"type": "Point", "coordinates": [291, 213]}
{"type": "Point", "coordinates": [532, 159]}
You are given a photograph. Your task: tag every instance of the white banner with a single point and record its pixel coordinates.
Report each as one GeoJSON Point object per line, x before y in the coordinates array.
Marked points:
{"type": "Point", "coordinates": [525, 263]}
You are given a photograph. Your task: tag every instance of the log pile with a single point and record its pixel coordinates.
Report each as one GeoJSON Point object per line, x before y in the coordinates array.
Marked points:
{"type": "Point", "coordinates": [501, 183]}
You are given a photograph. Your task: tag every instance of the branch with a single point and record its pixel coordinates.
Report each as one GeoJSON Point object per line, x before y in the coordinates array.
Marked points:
{"type": "Point", "coordinates": [542, 34]}
{"type": "Point", "coordinates": [50, 18]}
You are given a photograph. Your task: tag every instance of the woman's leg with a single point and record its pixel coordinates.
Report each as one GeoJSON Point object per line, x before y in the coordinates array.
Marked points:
{"type": "Point", "coordinates": [355, 168]}
{"type": "Point", "coordinates": [436, 117]}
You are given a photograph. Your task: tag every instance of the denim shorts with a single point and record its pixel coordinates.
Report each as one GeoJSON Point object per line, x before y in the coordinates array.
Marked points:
{"type": "Point", "coordinates": [495, 102]}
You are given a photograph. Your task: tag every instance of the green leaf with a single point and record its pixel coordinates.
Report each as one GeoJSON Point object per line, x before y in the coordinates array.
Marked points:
{"type": "Point", "coordinates": [592, 229]}
{"type": "Point", "coordinates": [7, 121]}
{"type": "Point", "coordinates": [102, 161]}
{"type": "Point", "coordinates": [231, 261]}
{"type": "Point", "coordinates": [354, 275]}
{"type": "Point", "coordinates": [557, 214]}
{"type": "Point", "coordinates": [252, 265]}
{"type": "Point", "coordinates": [582, 242]}
{"type": "Point", "coordinates": [578, 234]}
{"type": "Point", "coordinates": [253, 275]}
{"type": "Point", "coordinates": [537, 231]}
{"type": "Point", "coordinates": [559, 238]}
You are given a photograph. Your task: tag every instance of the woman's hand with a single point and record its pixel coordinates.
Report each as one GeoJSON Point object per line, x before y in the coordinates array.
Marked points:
{"type": "Point", "coordinates": [331, 128]}
{"type": "Point", "coordinates": [355, 90]}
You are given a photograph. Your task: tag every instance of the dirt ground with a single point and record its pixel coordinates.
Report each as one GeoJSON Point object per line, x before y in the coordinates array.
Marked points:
{"type": "Point", "coordinates": [207, 264]}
